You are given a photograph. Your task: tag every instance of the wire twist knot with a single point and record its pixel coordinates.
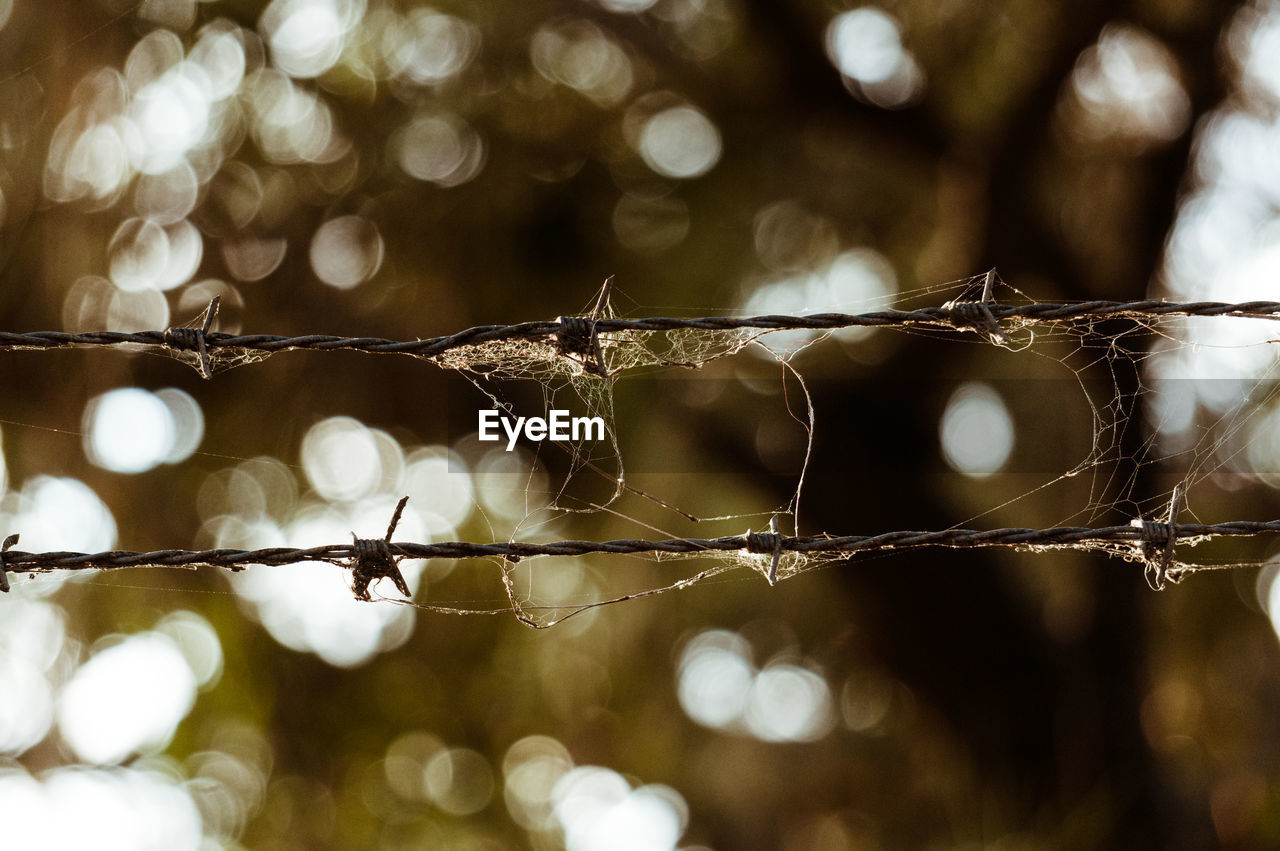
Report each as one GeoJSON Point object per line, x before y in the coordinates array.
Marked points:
{"type": "Point", "coordinates": [767, 543]}
{"type": "Point", "coordinates": [577, 337]}
{"type": "Point", "coordinates": [373, 560]}
{"type": "Point", "coordinates": [574, 334]}
{"type": "Point", "coordinates": [977, 314]}
{"type": "Point", "coordinates": [1159, 540]}
{"type": "Point", "coordinates": [196, 339]}
{"type": "Point", "coordinates": [971, 314]}
{"type": "Point", "coordinates": [186, 339]}
{"type": "Point", "coordinates": [1155, 532]}
{"type": "Point", "coordinates": [763, 542]}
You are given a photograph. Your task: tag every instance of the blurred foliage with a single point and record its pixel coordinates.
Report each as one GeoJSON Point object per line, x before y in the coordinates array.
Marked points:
{"type": "Point", "coordinates": [466, 164]}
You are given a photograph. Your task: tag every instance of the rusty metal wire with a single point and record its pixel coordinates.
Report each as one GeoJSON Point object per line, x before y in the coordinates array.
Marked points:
{"type": "Point", "coordinates": [371, 559]}
{"type": "Point", "coordinates": [956, 315]}
{"type": "Point", "coordinates": [1137, 536]}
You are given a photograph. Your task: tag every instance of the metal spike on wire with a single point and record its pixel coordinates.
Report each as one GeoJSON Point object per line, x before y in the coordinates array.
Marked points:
{"type": "Point", "coordinates": [355, 555]}
{"type": "Point", "coordinates": [984, 315]}
{"type": "Point", "coordinates": [1159, 542]}
{"type": "Point", "coordinates": [374, 559]}
{"type": "Point", "coordinates": [768, 543]}
{"type": "Point", "coordinates": [196, 339]}
{"type": "Point", "coordinates": [977, 314]}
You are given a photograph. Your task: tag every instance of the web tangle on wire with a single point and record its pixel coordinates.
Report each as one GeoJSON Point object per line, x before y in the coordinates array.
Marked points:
{"type": "Point", "coordinates": [1151, 440]}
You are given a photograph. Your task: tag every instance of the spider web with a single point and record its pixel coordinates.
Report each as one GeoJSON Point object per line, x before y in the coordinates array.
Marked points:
{"type": "Point", "coordinates": [1140, 430]}
{"type": "Point", "coordinates": [214, 360]}
{"type": "Point", "coordinates": [1112, 371]}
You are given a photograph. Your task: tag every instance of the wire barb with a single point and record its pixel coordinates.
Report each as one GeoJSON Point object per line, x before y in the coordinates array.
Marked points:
{"type": "Point", "coordinates": [977, 315]}
{"type": "Point", "coordinates": [196, 339]}
{"type": "Point", "coordinates": [373, 560]}
{"type": "Point", "coordinates": [4, 548]}
{"type": "Point", "coordinates": [767, 543]}
{"type": "Point", "coordinates": [1159, 540]}
{"type": "Point", "coordinates": [602, 301]}
{"type": "Point", "coordinates": [576, 337]}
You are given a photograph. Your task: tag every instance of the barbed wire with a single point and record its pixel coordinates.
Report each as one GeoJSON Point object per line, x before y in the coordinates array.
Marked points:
{"type": "Point", "coordinates": [369, 559]}
{"type": "Point", "coordinates": [1152, 542]}
{"type": "Point", "coordinates": [955, 315]}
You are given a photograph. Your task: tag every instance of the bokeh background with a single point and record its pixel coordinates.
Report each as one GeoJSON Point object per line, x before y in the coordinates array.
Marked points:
{"type": "Point", "coordinates": [402, 170]}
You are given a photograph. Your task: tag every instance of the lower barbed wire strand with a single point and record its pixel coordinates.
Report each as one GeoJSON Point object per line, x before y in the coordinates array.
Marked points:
{"type": "Point", "coordinates": [941, 316]}
{"type": "Point", "coordinates": [16, 561]}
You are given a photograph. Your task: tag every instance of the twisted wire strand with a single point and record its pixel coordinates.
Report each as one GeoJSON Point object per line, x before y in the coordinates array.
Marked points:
{"type": "Point", "coordinates": [18, 561]}
{"type": "Point", "coordinates": [954, 316]}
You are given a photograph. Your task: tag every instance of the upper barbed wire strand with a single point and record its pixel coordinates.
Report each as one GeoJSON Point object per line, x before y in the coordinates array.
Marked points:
{"type": "Point", "coordinates": [945, 316]}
